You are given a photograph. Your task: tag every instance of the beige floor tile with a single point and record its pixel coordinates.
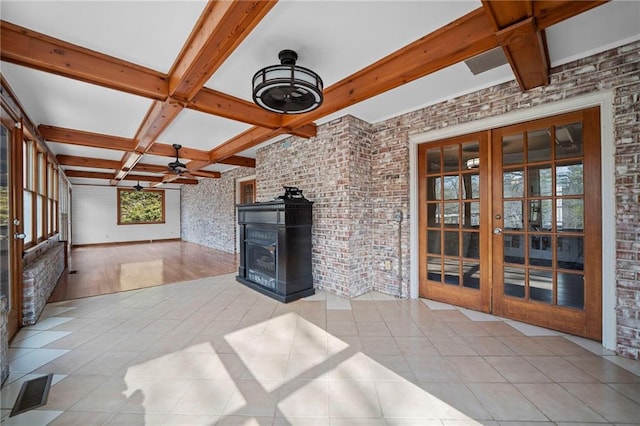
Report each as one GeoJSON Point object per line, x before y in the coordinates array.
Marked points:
{"type": "Point", "coordinates": [559, 369]}
{"type": "Point", "coordinates": [252, 398]}
{"type": "Point", "coordinates": [304, 398]}
{"type": "Point", "coordinates": [454, 401]}
{"type": "Point", "coordinates": [504, 402]}
{"type": "Point", "coordinates": [433, 328]}
{"type": "Point", "coordinates": [605, 401]}
{"type": "Point", "coordinates": [452, 345]}
{"type": "Point", "coordinates": [108, 396]}
{"type": "Point", "coordinates": [136, 419]}
{"type": "Point", "coordinates": [448, 315]}
{"type": "Point", "coordinates": [561, 346]}
{"type": "Point", "coordinates": [414, 346]}
{"type": "Point", "coordinates": [498, 328]}
{"type": "Point", "coordinates": [81, 418]}
{"type": "Point", "coordinates": [474, 369]}
{"type": "Point", "coordinates": [334, 315]}
{"type": "Point", "coordinates": [342, 328]}
{"type": "Point", "coordinates": [107, 364]}
{"type": "Point", "coordinates": [406, 328]}
{"type": "Point", "coordinates": [558, 404]}
{"type": "Point", "coordinates": [72, 341]}
{"type": "Point", "coordinates": [488, 346]}
{"type": "Point", "coordinates": [70, 390]}
{"type": "Point", "coordinates": [136, 342]}
{"type": "Point", "coordinates": [244, 421]}
{"type": "Point", "coordinates": [391, 367]}
{"type": "Point", "coordinates": [356, 398]}
{"type": "Point", "coordinates": [374, 345]}
{"type": "Point", "coordinates": [372, 328]}
{"type": "Point", "coordinates": [153, 394]}
{"type": "Point", "coordinates": [205, 397]}
{"type": "Point", "coordinates": [432, 369]}
{"type": "Point", "coordinates": [631, 391]}
{"type": "Point", "coordinates": [308, 366]}
{"type": "Point", "coordinates": [402, 399]}
{"type": "Point", "coordinates": [356, 367]}
{"type": "Point", "coordinates": [189, 420]}
{"type": "Point", "coordinates": [468, 329]}
{"type": "Point", "coordinates": [517, 370]}
{"type": "Point", "coordinates": [525, 346]}
{"type": "Point", "coordinates": [370, 314]}
{"type": "Point", "coordinates": [220, 351]}
{"type": "Point", "coordinates": [603, 370]}
{"type": "Point", "coordinates": [69, 362]}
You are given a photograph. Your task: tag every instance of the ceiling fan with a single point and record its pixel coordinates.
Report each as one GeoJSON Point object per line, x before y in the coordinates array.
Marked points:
{"type": "Point", "coordinates": [177, 167]}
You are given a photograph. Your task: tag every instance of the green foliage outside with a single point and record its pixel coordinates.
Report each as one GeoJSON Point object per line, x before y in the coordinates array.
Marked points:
{"type": "Point", "coordinates": [141, 206]}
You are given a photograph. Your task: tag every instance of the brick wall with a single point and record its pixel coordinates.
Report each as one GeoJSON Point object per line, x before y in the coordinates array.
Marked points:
{"type": "Point", "coordinates": [207, 215]}
{"type": "Point", "coordinates": [333, 170]}
{"type": "Point", "coordinates": [41, 270]}
{"type": "Point", "coordinates": [357, 174]}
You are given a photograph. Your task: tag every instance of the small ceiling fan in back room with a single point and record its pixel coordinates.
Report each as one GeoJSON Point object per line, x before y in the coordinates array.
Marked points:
{"type": "Point", "coordinates": [177, 167]}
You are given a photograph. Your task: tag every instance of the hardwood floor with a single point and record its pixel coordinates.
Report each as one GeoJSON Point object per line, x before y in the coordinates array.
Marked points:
{"type": "Point", "coordinates": [95, 270]}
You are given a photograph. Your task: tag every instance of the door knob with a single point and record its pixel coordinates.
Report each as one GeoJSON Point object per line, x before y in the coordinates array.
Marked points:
{"type": "Point", "coordinates": [19, 236]}
{"type": "Point", "coordinates": [497, 231]}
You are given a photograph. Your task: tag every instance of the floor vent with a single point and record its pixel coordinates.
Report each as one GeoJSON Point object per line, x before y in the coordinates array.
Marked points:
{"type": "Point", "coordinates": [33, 394]}
{"type": "Point", "coordinates": [73, 272]}
{"type": "Point", "coordinates": [486, 61]}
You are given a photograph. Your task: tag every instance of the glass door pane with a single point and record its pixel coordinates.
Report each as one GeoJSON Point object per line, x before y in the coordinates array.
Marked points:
{"type": "Point", "coordinates": [452, 185]}
{"type": "Point", "coordinates": [540, 218]}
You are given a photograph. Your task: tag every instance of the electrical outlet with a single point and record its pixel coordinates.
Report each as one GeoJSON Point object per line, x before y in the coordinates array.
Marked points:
{"type": "Point", "coordinates": [387, 265]}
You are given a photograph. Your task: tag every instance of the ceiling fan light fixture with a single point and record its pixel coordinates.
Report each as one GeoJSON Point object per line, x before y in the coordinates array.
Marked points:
{"type": "Point", "coordinates": [177, 166]}
{"type": "Point", "coordinates": [138, 187]}
{"type": "Point", "coordinates": [287, 88]}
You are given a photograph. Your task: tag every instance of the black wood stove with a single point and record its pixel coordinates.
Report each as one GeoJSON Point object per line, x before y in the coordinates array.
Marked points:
{"type": "Point", "coordinates": [275, 246]}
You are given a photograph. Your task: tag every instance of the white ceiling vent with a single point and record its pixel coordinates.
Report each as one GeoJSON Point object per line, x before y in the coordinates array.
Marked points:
{"type": "Point", "coordinates": [486, 61]}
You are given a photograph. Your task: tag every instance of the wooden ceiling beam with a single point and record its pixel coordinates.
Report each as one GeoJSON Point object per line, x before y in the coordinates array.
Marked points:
{"type": "Point", "coordinates": [28, 48]}
{"type": "Point", "coordinates": [141, 178]}
{"type": "Point", "coordinates": [551, 12]}
{"type": "Point", "coordinates": [213, 102]}
{"type": "Point", "coordinates": [526, 50]}
{"type": "Point", "coordinates": [523, 44]}
{"type": "Point", "coordinates": [461, 39]}
{"type": "Point", "coordinates": [165, 150]}
{"type": "Point", "coordinates": [80, 138]}
{"type": "Point", "coordinates": [96, 163]}
{"type": "Point", "coordinates": [235, 160]}
{"type": "Point", "coordinates": [206, 174]}
{"type": "Point", "coordinates": [222, 26]}
{"type": "Point", "coordinates": [245, 140]}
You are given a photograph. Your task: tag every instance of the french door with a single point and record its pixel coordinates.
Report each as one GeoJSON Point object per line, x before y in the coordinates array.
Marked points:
{"type": "Point", "coordinates": [508, 217]}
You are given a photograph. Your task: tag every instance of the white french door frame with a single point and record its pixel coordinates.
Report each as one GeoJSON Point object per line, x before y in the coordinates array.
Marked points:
{"type": "Point", "coordinates": [604, 100]}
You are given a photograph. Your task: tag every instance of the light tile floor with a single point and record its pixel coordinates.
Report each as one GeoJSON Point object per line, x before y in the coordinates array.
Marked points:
{"type": "Point", "coordinates": [212, 351]}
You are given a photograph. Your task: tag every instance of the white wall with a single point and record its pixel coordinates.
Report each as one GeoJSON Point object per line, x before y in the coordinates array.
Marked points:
{"type": "Point", "coordinates": [94, 218]}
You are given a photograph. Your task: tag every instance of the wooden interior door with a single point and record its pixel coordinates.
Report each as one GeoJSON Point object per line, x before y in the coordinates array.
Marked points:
{"type": "Point", "coordinates": [248, 192]}
{"type": "Point", "coordinates": [454, 222]}
{"type": "Point", "coordinates": [547, 223]}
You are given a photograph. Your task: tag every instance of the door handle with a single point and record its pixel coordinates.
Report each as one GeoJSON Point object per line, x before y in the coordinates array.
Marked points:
{"type": "Point", "coordinates": [497, 231]}
{"type": "Point", "coordinates": [19, 236]}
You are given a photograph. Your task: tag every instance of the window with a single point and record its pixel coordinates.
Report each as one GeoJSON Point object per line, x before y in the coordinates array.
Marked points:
{"type": "Point", "coordinates": [140, 207]}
